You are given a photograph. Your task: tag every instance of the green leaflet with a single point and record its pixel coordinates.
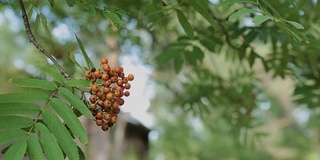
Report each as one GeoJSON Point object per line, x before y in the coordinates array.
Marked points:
{"type": "Point", "coordinates": [84, 53]}
{"type": "Point", "coordinates": [53, 73]}
{"type": "Point", "coordinates": [237, 14]}
{"type": "Point", "coordinates": [73, 59]}
{"type": "Point", "coordinates": [23, 97]}
{"type": "Point", "coordinates": [185, 24]}
{"type": "Point", "coordinates": [19, 108]}
{"type": "Point", "coordinates": [76, 102]}
{"type": "Point", "coordinates": [14, 122]}
{"type": "Point", "coordinates": [61, 133]}
{"type": "Point", "coordinates": [114, 18]}
{"type": "Point", "coordinates": [34, 149]}
{"type": "Point", "coordinates": [8, 136]}
{"type": "Point", "coordinates": [16, 151]}
{"type": "Point", "coordinates": [260, 19]}
{"type": "Point", "coordinates": [34, 83]}
{"type": "Point", "coordinates": [48, 143]}
{"type": "Point", "coordinates": [78, 83]}
{"type": "Point", "coordinates": [66, 113]}
{"type": "Point", "coordinates": [229, 2]}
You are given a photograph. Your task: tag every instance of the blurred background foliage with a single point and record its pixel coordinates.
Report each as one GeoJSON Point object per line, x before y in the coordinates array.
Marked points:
{"type": "Point", "coordinates": [245, 87]}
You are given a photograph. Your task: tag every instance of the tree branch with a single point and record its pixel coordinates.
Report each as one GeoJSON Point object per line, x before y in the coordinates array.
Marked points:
{"type": "Point", "coordinates": [33, 40]}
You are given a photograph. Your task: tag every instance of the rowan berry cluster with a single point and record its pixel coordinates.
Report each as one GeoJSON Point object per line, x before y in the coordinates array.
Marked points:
{"type": "Point", "coordinates": [108, 87]}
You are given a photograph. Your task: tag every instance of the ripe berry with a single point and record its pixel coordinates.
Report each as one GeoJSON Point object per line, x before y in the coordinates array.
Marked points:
{"type": "Point", "coordinates": [106, 68]}
{"type": "Point", "coordinates": [101, 103]}
{"type": "Point", "coordinates": [105, 77]}
{"type": "Point", "coordinates": [87, 74]}
{"type": "Point", "coordinates": [107, 116]}
{"type": "Point", "coordinates": [92, 106]}
{"type": "Point", "coordinates": [127, 93]}
{"type": "Point", "coordinates": [113, 79]}
{"type": "Point", "coordinates": [99, 94]}
{"type": "Point", "coordinates": [99, 115]}
{"type": "Point", "coordinates": [118, 70]}
{"type": "Point", "coordinates": [116, 111]}
{"type": "Point", "coordinates": [120, 82]}
{"type": "Point", "coordinates": [121, 101]}
{"type": "Point", "coordinates": [130, 77]}
{"type": "Point", "coordinates": [93, 98]}
{"type": "Point", "coordinates": [94, 87]}
{"type": "Point", "coordinates": [127, 86]}
{"type": "Point", "coordinates": [107, 103]}
{"type": "Point", "coordinates": [99, 122]}
{"type": "Point", "coordinates": [105, 127]}
{"type": "Point", "coordinates": [106, 83]}
{"type": "Point", "coordinates": [104, 61]}
{"type": "Point", "coordinates": [97, 74]}
{"type": "Point", "coordinates": [117, 93]}
{"type": "Point", "coordinates": [113, 119]}
{"type": "Point", "coordinates": [115, 104]}
{"type": "Point", "coordinates": [110, 96]}
{"type": "Point", "coordinates": [106, 90]}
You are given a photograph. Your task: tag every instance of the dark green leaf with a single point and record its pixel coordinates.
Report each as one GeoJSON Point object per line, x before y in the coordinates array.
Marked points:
{"type": "Point", "coordinates": [229, 2]}
{"type": "Point", "coordinates": [72, 58]}
{"type": "Point", "coordinates": [34, 83]}
{"type": "Point", "coordinates": [82, 156]}
{"type": "Point", "coordinates": [76, 102]}
{"type": "Point", "coordinates": [51, 2]}
{"type": "Point", "coordinates": [19, 108]}
{"type": "Point", "coordinates": [16, 151]}
{"type": "Point", "coordinates": [23, 97]}
{"type": "Point", "coordinates": [193, 56]}
{"type": "Point", "coordinates": [61, 133]}
{"type": "Point", "coordinates": [91, 10]}
{"type": "Point", "coordinates": [114, 18]}
{"type": "Point", "coordinates": [252, 57]}
{"type": "Point", "coordinates": [14, 122]}
{"type": "Point", "coordinates": [34, 148]}
{"type": "Point", "coordinates": [8, 136]}
{"type": "Point", "coordinates": [49, 144]}
{"type": "Point", "coordinates": [53, 73]}
{"type": "Point", "coordinates": [177, 63]}
{"type": "Point", "coordinates": [71, 3]}
{"type": "Point", "coordinates": [70, 119]}
{"type": "Point", "coordinates": [250, 36]}
{"type": "Point", "coordinates": [185, 24]}
{"type": "Point", "coordinates": [78, 83]}
{"type": "Point", "coordinates": [237, 14]}
{"type": "Point", "coordinates": [85, 55]}
{"type": "Point", "coordinates": [260, 19]}
{"type": "Point", "coordinates": [199, 8]}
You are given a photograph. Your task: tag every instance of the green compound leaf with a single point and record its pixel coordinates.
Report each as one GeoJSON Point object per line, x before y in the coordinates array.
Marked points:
{"type": "Point", "coordinates": [48, 143]}
{"type": "Point", "coordinates": [114, 18]}
{"type": "Point", "coordinates": [34, 83]}
{"type": "Point", "coordinates": [84, 53]}
{"type": "Point", "coordinates": [260, 19]}
{"type": "Point", "coordinates": [19, 108]}
{"type": "Point", "coordinates": [8, 136]}
{"type": "Point", "coordinates": [14, 122]}
{"type": "Point", "coordinates": [76, 102]}
{"type": "Point", "coordinates": [233, 17]}
{"type": "Point", "coordinates": [34, 149]}
{"type": "Point", "coordinates": [23, 97]}
{"type": "Point", "coordinates": [61, 133]}
{"type": "Point", "coordinates": [185, 24]}
{"type": "Point", "coordinates": [78, 83]}
{"type": "Point", "coordinates": [16, 151]}
{"type": "Point", "coordinates": [53, 73]}
{"type": "Point", "coordinates": [66, 113]}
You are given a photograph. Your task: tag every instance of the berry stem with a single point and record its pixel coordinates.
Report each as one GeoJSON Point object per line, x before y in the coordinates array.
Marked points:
{"type": "Point", "coordinates": [33, 40]}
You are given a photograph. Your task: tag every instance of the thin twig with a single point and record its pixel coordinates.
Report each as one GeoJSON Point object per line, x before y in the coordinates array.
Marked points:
{"type": "Point", "coordinates": [36, 44]}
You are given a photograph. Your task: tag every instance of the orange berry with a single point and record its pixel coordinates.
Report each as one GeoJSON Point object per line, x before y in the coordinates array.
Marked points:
{"type": "Point", "coordinates": [99, 94]}
{"type": "Point", "coordinates": [92, 106]}
{"type": "Point", "coordinates": [120, 82]}
{"type": "Point", "coordinates": [100, 103]}
{"type": "Point", "coordinates": [93, 98]}
{"type": "Point", "coordinates": [110, 96]}
{"type": "Point", "coordinates": [118, 70]}
{"type": "Point", "coordinates": [106, 83]}
{"type": "Point", "coordinates": [99, 122]}
{"type": "Point", "coordinates": [115, 104]}
{"type": "Point", "coordinates": [113, 79]}
{"type": "Point", "coordinates": [99, 115]}
{"type": "Point", "coordinates": [113, 119]}
{"type": "Point", "coordinates": [107, 103]}
{"type": "Point", "coordinates": [117, 93]}
{"type": "Point", "coordinates": [106, 90]}
{"type": "Point", "coordinates": [121, 101]}
{"type": "Point", "coordinates": [130, 77]}
{"type": "Point", "coordinates": [127, 86]}
{"type": "Point", "coordinates": [104, 61]}
{"type": "Point", "coordinates": [107, 116]}
{"type": "Point", "coordinates": [106, 68]}
{"type": "Point", "coordinates": [94, 87]}
{"type": "Point", "coordinates": [116, 111]}
{"type": "Point", "coordinates": [97, 74]}
{"type": "Point", "coordinates": [105, 77]}
{"type": "Point", "coordinates": [87, 74]}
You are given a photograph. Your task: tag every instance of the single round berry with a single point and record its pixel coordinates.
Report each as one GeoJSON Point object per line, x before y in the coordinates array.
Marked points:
{"type": "Point", "coordinates": [113, 79]}
{"type": "Point", "coordinates": [94, 87]}
{"type": "Point", "coordinates": [107, 116]}
{"type": "Point", "coordinates": [92, 106]}
{"type": "Point", "coordinates": [130, 77]}
{"type": "Point", "coordinates": [105, 127]}
{"type": "Point", "coordinates": [106, 83]}
{"type": "Point", "coordinates": [121, 101]}
{"type": "Point", "coordinates": [116, 111]}
{"type": "Point", "coordinates": [104, 61]}
{"type": "Point", "coordinates": [127, 86]}
{"type": "Point", "coordinates": [110, 96]}
{"type": "Point", "coordinates": [99, 115]}
{"type": "Point", "coordinates": [106, 90]}
{"type": "Point", "coordinates": [115, 104]}
{"type": "Point", "coordinates": [106, 68]}
{"type": "Point", "coordinates": [127, 93]}
{"type": "Point", "coordinates": [87, 74]}
{"type": "Point", "coordinates": [93, 98]}
{"type": "Point", "coordinates": [114, 119]}
{"type": "Point", "coordinates": [99, 122]}
{"type": "Point", "coordinates": [101, 103]}
{"type": "Point", "coordinates": [105, 77]}
{"type": "Point", "coordinates": [107, 103]}
{"type": "Point", "coordinates": [99, 94]}
{"type": "Point", "coordinates": [97, 74]}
